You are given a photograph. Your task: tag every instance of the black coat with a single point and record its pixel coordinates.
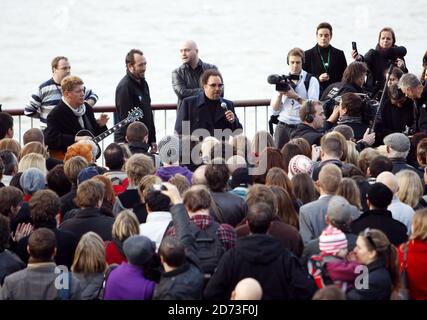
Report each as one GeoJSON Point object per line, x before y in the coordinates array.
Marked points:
{"type": "Point", "coordinates": [186, 80]}
{"type": "Point", "coordinates": [313, 64]}
{"type": "Point", "coordinates": [131, 94]}
{"type": "Point", "coordinates": [231, 208]}
{"type": "Point", "coordinates": [66, 244]}
{"type": "Point", "coordinates": [9, 263]}
{"type": "Point", "coordinates": [195, 110]}
{"type": "Point", "coordinates": [62, 126]}
{"type": "Point", "coordinates": [380, 284]}
{"type": "Point", "coordinates": [381, 219]}
{"type": "Point", "coordinates": [395, 119]}
{"type": "Point", "coordinates": [263, 258]}
{"type": "Point", "coordinates": [310, 134]}
{"type": "Point", "coordinates": [90, 219]}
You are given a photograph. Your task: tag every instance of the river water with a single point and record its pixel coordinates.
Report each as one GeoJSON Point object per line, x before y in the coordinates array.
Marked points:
{"type": "Point", "coordinates": [246, 39]}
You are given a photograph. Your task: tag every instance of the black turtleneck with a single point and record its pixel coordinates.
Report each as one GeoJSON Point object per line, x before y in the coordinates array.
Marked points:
{"type": "Point", "coordinates": [212, 106]}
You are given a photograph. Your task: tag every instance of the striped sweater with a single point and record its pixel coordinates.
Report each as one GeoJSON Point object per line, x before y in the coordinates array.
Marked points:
{"type": "Point", "coordinates": [47, 96]}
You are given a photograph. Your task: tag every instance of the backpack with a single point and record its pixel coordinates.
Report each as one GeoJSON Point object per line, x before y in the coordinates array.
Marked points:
{"type": "Point", "coordinates": [317, 269]}
{"type": "Point", "coordinates": [209, 248]}
{"type": "Point", "coordinates": [274, 119]}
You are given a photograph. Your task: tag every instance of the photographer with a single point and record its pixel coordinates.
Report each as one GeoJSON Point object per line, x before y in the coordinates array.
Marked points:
{"type": "Point", "coordinates": [379, 59]}
{"type": "Point", "coordinates": [286, 103]}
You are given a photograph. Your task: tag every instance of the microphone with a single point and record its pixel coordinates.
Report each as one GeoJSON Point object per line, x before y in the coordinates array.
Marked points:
{"type": "Point", "coordinates": [224, 106]}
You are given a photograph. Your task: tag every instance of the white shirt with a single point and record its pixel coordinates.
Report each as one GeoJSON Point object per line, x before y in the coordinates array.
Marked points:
{"type": "Point", "coordinates": [401, 212]}
{"type": "Point", "coordinates": [289, 108]}
{"type": "Point", "coordinates": [155, 226]}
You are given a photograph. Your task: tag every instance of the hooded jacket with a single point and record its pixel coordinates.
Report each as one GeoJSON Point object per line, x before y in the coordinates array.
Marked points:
{"type": "Point", "coordinates": [263, 258]}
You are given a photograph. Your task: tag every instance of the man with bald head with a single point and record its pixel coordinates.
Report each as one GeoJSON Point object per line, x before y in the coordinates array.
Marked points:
{"type": "Point", "coordinates": [186, 78]}
{"type": "Point", "coordinates": [399, 210]}
{"type": "Point", "coordinates": [247, 289]}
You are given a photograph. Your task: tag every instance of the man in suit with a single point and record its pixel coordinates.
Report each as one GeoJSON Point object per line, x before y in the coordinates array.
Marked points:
{"type": "Point", "coordinates": [312, 215]}
{"type": "Point", "coordinates": [207, 110]}
{"type": "Point", "coordinates": [70, 116]}
{"type": "Point", "coordinates": [324, 61]}
{"type": "Point", "coordinates": [41, 280]}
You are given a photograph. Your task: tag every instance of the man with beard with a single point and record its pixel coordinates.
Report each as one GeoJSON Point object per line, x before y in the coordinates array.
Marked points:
{"type": "Point", "coordinates": [131, 92]}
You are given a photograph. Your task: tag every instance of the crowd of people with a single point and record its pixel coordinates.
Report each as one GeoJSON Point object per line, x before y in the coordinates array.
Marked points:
{"type": "Point", "coordinates": [331, 206]}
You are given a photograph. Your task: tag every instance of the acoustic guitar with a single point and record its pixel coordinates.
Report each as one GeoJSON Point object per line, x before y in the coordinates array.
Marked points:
{"type": "Point", "coordinates": [134, 115]}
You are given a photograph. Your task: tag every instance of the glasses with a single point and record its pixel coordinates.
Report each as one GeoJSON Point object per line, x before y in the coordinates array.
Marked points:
{"type": "Point", "coordinates": [367, 234]}
{"type": "Point", "coordinates": [215, 85]}
{"type": "Point", "coordinates": [64, 68]}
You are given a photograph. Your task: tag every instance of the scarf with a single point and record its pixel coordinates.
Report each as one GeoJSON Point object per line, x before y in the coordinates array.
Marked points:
{"type": "Point", "coordinates": [79, 112]}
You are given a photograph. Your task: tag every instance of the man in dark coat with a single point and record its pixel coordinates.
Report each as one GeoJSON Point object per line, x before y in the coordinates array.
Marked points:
{"type": "Point", "coordinates": [131, 92]}
{"type": "Point", "coordinates": [312, 122]}
{"type": "Point", "coordinates": [262, 257]}
{"type": "Point", "coordinates": [207, 110]}
{"type": "Point", "coordinates": [70, 116]}
{"type": "Point", "coordinates": [378, 217]}
{"type": "Point", "coordinates": [186, 78]}
{"type": "Point", "coordinates": [324, 61]}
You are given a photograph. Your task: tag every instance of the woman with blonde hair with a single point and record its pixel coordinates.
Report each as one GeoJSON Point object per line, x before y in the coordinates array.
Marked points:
{"type": "Point", "coordinates": [125, 225]}
{"type": "Point", "coordinates": [33, 160]}
{"type": "Point", "coordinates": [89, 266]}
{"type": "Point", "coordinates": [352, 153]}
{"type": "Point", "coordinates": [416, 257]}
{"type": "Point", "coordinates": [33, 147]}
{"type": "Point", "coordinates": [349, 190]}
{"type": "Point", "coordinates": [11, 145]}
{"type": "Point", "coordinates": [410, 188]}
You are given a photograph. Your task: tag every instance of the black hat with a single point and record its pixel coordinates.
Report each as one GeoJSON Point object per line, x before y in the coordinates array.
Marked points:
{"type": "Point", "coordinates": [379, 195]}
{"type": "Point", "coordinates": [240, 178]}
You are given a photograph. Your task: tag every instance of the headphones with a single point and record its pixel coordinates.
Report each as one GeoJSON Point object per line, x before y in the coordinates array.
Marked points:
{"type": "Point", "coordinates": [310, 111]}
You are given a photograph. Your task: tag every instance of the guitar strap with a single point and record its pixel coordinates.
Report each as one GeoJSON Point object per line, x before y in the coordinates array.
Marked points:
{"type": "Point", "coordinates": [87, 124]}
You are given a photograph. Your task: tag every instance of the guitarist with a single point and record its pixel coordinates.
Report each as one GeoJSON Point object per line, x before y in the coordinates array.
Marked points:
{"type": "Point", "coordinates": [70, 116]}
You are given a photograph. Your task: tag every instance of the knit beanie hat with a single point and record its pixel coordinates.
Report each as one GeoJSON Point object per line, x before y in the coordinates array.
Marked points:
{"type": "Point", "coordinates": [86, 174]}
{"type": "Point", "coordinates": [300, 164]}
{"type": "Point", "coordinates": [332, 240]}
{"type": "Point", "coordinates": [32, 180]}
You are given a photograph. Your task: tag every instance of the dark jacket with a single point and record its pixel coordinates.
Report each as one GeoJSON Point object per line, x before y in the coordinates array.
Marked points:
{"type": "Point", "coordinates": [286, 234]}
{"type": "Point", "coordinates": [379, 285]}
{"type": "Point", "coordinates": [62, 126]}
{"type": "Point", "coordinates": [381, 219]}
{"type": "Point", "coordinates": [66, 244]}
{"type": "Point", "coordinates": [9, 263]}
{"type": "Point", "coordinates": [195, 110]}
{"type": "Point", "coordinates": [91, 285]}
{"type": "Point", "coordinates": [395, 119]}
{"type": "Point", "coordinates": [318, 165]}
{"type": "Point", "coordinates": [231, 208]}
{"type": "Point", "coordinates": [313, 64]}
{"type": "Point", "coordinates": [131, 94]}
{"type": "Point", "coordinates": [186, 80]}
{"type": "Point", "coordinates": [87, 220]}
{"type": "Point", "coordinates": [308, 133]}
{"type": "Point", "coordinates": [186, 281]}
{"type": "Point", "coordinates": [400, 164]}
{"type": "Point", "coordinates": [262, 257]}
{"type": "Point", "coordinates": [377, 62]}
{"type": "Point", "coordinates": [422, 111]}
{"type": "Point", "coordinates": [67, 201]}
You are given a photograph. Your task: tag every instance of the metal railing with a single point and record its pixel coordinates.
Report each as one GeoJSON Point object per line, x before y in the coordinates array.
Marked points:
{"type": "Point", "coordinates": [253, 115]}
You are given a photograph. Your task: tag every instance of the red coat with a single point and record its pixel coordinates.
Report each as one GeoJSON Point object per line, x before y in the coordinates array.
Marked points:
{"type": "Point", "coordinates": [113, 255]}
{"type": "Point", "coordinates": [417, 268]}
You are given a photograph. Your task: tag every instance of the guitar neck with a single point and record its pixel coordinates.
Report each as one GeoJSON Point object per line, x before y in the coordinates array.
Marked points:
{"type": "Point", "coordinates": [113, 129]}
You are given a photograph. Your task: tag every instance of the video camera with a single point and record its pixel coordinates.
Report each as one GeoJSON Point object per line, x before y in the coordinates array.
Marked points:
{"type": "Point", "coordinates": [283, 82]}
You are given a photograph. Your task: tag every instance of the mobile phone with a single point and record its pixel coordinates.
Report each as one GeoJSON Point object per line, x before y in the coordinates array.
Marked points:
{"type": "Point", "coordinates": [354, 46]}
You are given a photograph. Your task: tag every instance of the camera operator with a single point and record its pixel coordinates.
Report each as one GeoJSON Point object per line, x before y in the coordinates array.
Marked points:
{"type": "Point", "coordinates": [413, 89]}
{"type": "Point", "coordinates": [379, 59]}
{"type": "Point", "coordinates": [286, 104]}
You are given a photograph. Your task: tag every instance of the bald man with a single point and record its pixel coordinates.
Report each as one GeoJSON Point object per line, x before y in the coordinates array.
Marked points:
{"type": "Point", "coordinates": [247, 289]}
{"type": "Point", "coordinates": [399, 210]}
{"type": "Point", "coordinates": [186, 78]}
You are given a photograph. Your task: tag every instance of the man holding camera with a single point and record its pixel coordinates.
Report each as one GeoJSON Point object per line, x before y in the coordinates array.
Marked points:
{"type": "Point", "coordinates": [287, 100]}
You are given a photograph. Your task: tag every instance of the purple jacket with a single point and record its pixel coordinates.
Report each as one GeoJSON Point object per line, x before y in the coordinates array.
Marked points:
{"type": "Point", "coordinates": [165, 173]}
{"type": "Point", "coordinates": [127, 282]}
